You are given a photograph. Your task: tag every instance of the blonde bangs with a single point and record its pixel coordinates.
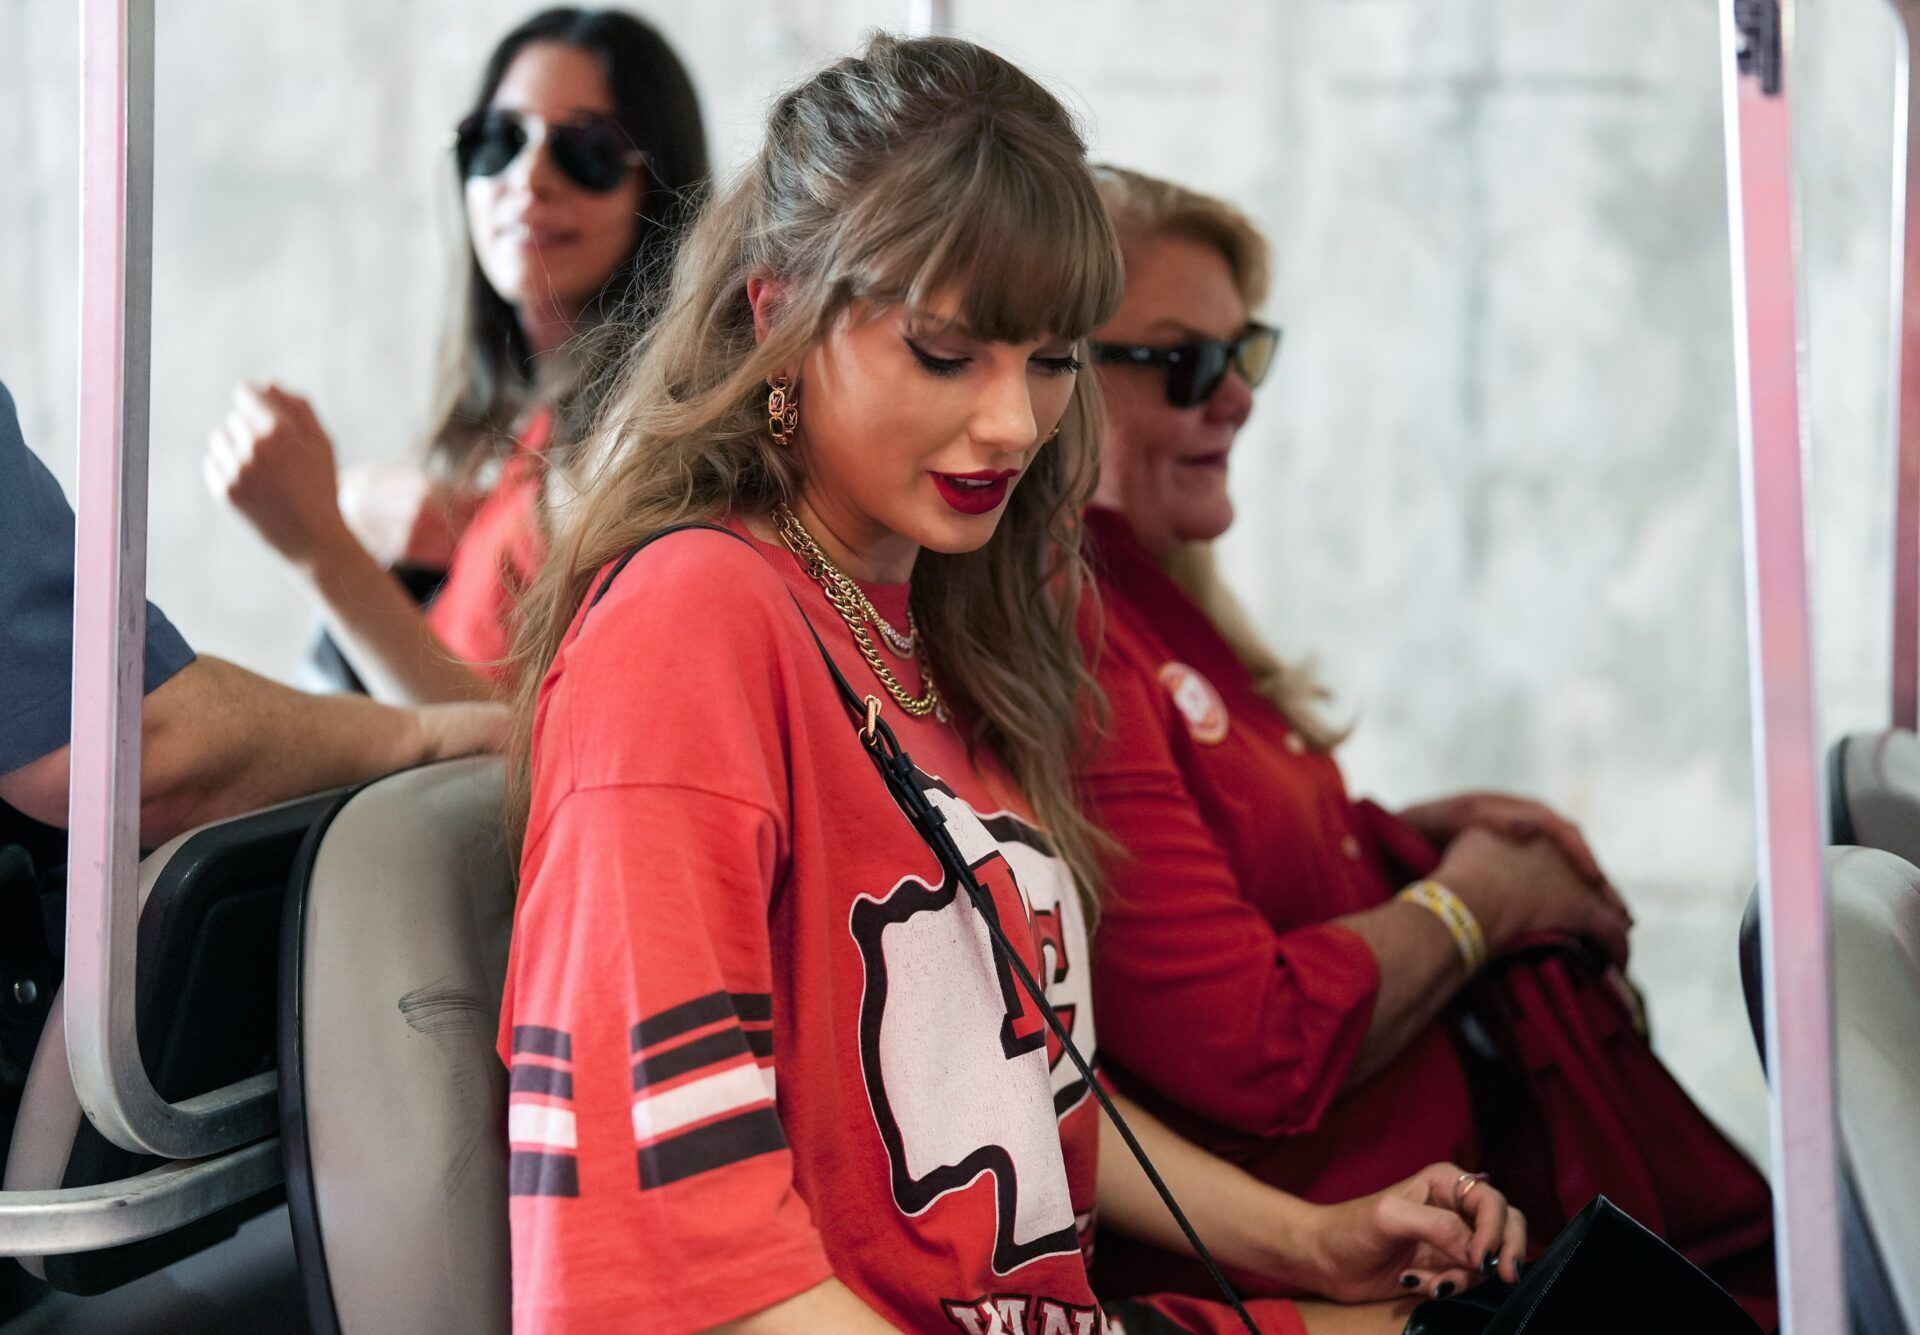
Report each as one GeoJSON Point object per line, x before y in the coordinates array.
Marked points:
{"type": "Point", "coordinates": [1026, 243]}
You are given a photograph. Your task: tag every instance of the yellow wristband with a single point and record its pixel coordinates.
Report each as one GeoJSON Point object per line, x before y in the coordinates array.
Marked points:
{"type": "Point", "coordinates": [1458, 919]}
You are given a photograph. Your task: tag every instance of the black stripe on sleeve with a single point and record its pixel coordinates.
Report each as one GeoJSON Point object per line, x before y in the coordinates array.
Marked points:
{"type": "Point", "coordinates": [714, 1048]}
{"type": "Point", "coordinates": [760, 1041]}
{"type": "Point", "coordinates": [542, 1041]}
{"type": "Point", "coordinates": [542, 1080]}
{"type": "Point", "coordinates": [533, 1174]}
{"type": "Point", "coordinates": [712, 1146]}
{"type": "Point", "coordinates": [749, 1007]}
{"type": "Point", "coordinates": [677, 1020]}
{"type": "Point", "coordinates": [752, 1006]}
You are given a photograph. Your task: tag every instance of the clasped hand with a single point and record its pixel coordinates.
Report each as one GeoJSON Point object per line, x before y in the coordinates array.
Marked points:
{"type": "Point", "coordinates": [1418, 1236]}
{"type": "Point", "coordinates": [1523, 868]}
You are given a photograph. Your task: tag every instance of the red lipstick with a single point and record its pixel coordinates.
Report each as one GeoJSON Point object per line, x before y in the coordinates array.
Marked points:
{"type": "Point", "coordinates": [974, 493]}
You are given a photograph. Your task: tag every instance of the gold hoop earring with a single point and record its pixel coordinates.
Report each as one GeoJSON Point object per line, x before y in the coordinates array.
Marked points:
{"type": "Point", "coordinates": [783, 410]}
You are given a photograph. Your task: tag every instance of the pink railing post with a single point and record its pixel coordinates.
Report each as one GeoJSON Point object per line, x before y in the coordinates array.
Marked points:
{"type": "Point", "coordinates": [109, 614]}
{"type": "Point", "coordinates": [1906, 397]}
{"type": "Point", "coordinates": [1796, 950]}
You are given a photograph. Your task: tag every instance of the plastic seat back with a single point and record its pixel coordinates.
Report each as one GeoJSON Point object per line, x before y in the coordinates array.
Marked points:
{"type": "Point", "coordinates": [205, 994]}
{"type": "Point", "coordinates": [1874, 791]}
{"type": "Point", "coordinates": [1876, 978]}
{"type": "Point", "coordinates": [393, 1101]}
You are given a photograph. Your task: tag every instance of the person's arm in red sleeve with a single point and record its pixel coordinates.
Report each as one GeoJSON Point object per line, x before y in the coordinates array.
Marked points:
{"type": "Point", "coordinates": [652, 1184]}
{"type": "Point", "coordinates": [1196, 992]}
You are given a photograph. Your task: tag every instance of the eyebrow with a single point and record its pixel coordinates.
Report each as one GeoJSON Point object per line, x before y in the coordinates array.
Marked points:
{"type": "Point", "coordinates": [933, 326]}
{"type": "Point", "coordinates": [940, 326]}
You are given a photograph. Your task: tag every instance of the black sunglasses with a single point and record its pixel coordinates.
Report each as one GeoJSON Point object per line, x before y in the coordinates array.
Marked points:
{"type": "Point", "coordinates": [1195, 369]}
{"type": "Point", "coordinates": [595, 154]}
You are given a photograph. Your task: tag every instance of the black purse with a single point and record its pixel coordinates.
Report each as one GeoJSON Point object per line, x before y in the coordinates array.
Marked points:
{"type": "Point", "coordinates": [1604, 1275]}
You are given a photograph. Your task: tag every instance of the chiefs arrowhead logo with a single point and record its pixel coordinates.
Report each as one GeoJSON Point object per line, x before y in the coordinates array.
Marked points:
{"type": "Point", "coordinates": [1199, 704]}
{"type": "Point", "coordinates": [952, 1111]}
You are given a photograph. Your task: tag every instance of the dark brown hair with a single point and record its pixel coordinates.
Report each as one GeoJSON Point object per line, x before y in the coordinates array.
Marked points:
{"type": "Point", "coordinates": [489, 380]}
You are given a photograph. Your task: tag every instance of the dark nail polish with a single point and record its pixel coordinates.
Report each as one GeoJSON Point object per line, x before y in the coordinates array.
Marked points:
{"type": "Point", "coordinates": [1409, 1281]}
{"type": "Point", "coordinates": [1492, 1263]}
{"type": "Point", "coordinates": [1444, 1289]}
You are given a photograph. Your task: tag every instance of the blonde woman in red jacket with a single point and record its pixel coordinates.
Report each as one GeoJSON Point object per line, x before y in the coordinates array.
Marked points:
{"type": "Point", "coordinates": [1260, 982]}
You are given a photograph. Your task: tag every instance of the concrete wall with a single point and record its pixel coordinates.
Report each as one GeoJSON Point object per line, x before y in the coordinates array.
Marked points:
{"type": "Point", "coordinates": [1492, 485]}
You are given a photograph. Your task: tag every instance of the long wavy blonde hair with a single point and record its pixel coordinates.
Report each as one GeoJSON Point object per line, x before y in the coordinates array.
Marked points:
{"type": "Point", "coordinates": [916, 168]}
{"type": "Point", "coordinates": [1145, 208]}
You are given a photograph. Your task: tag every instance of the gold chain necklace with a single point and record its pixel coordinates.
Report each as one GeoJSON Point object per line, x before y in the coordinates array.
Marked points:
{"type": "Point", "coordinates": [855, 609]}
{"type": "Point", "coordinates": [905, 645]}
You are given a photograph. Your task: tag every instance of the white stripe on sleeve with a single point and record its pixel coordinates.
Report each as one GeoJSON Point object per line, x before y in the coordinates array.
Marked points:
{"type": "Point", "coordinates": [656, 1114]}
{"type": "Point", "coordinates": [538, 1124]}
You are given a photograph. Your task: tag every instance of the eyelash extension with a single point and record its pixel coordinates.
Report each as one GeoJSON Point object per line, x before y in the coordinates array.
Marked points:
{"type": "Point", "coordinates": [945, 366]}
{"type": "Point", "coordinates": [937, 365]}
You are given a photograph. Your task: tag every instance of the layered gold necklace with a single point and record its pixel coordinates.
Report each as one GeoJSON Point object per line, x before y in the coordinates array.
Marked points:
{"type": "Point", "coordinates": [858, 611]}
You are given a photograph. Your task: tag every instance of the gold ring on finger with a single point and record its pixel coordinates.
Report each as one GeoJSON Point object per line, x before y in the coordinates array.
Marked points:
{"type": "Point", "coordinates": [1463, 1187]}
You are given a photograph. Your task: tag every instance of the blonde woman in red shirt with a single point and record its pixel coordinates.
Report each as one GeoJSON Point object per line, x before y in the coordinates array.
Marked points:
{"type": "Point", "coordinates": [768, 1072]}
{"type": "Point", "coordinates": [1260, 984]}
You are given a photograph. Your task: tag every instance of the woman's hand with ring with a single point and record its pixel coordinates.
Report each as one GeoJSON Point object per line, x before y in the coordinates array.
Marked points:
{"type": "Point", "coordinates": [1440, 1231]}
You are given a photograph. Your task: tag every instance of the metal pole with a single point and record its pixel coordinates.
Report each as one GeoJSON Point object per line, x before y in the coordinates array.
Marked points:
{"type": "Point", "coordinates": [91, 1219]}
{"type": "Point", "coordinates": [1757, 45]}
{"type": "Point", "coordinates": [1906, 405]}
{"type": "Point", "coordinates": [109, 614]}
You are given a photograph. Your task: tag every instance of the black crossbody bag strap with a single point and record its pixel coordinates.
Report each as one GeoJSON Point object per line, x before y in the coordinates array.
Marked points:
{"type": "Point", "coordinates": [896, 770]}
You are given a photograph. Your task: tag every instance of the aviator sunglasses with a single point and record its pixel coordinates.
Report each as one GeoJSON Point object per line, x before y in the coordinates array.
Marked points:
{"type": "Point", "coordinates": [1195, 369]}
{"type": "Point", "coordinates": [594, 154]}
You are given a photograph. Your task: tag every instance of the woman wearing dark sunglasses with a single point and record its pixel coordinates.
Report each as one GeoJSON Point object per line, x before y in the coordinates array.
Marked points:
{"type": "Point", "coordinates": [579, 162]}
{"type": "Point", "coordinates": [1259, 981]}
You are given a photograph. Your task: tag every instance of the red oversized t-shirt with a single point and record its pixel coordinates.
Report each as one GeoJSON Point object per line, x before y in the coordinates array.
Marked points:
{"type": "Point", "coordinates": [755, 1038]}
{"type": "Point", "coordinates": [1229, 1000]}
{"type": "Point", "coordinates": [499, 553]}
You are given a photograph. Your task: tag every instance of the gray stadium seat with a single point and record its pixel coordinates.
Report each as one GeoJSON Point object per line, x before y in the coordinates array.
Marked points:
{"type": "Point", "coordinates": [1876, 977]}
{"type": "Point", "coordinates": [1874, 791]}
{"type": "Point", "coordinates": [204, 1005]}
{"type": "Point", "coordinates": [393, 1102]}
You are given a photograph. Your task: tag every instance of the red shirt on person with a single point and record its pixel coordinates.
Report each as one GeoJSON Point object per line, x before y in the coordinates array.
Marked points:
{"type": "Point", "coordinates": [1229, 1001]}
{"type": "Point", "coordinates": [755, 1039]}
{"type": "Point", "coordinates": [498, 555]}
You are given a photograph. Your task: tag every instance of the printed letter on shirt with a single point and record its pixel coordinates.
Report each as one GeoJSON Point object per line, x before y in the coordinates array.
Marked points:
{"type": "Point", "coordinates": [1019, 1314]}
